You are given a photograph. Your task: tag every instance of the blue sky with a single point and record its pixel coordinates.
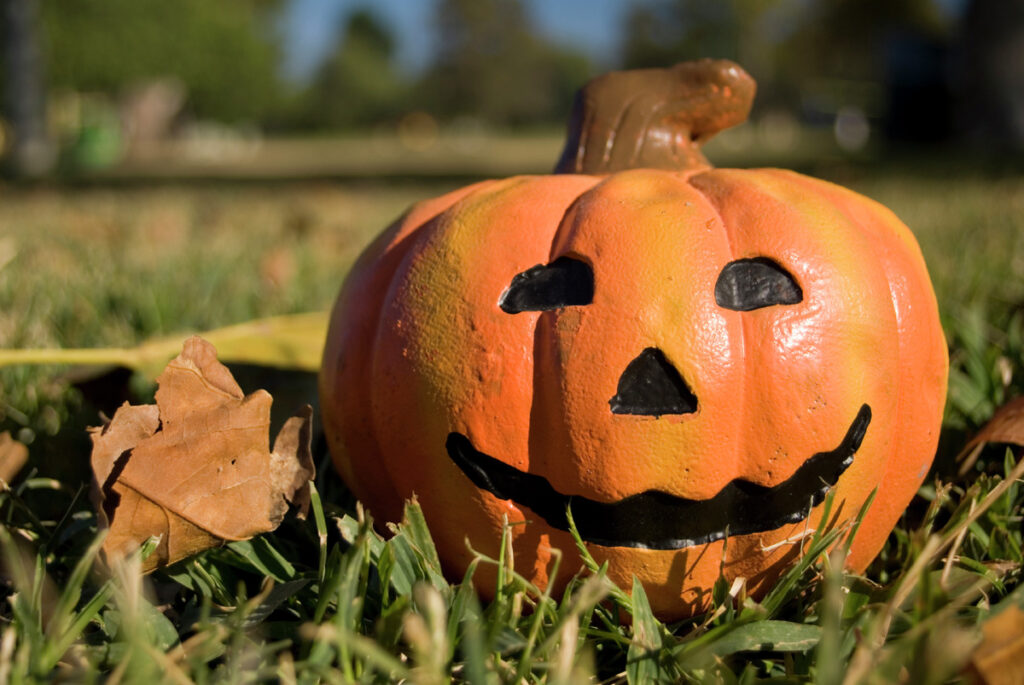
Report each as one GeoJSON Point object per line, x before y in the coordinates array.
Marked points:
{"type": "Point", "coordinates": [310, 27]}
{"type": "Point", "coordinates": [593, 26]}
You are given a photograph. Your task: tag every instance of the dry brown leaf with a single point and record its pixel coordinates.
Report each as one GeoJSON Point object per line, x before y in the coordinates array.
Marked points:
{"type": "Point", "coordinates": [195, 468]}
{"type": "Point", "coordinates": [1006, 426]}
{"type": "Point", "coordinates": [13, 456]}
{"type": "Point", "coordinates": [999, 659]}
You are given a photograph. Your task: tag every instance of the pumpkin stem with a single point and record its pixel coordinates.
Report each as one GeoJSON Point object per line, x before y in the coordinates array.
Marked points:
{"type": "Point", "coordinates": [654, 118]}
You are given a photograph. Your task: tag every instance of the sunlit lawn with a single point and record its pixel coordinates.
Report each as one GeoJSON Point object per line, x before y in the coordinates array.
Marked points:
{"type": "Point", "coordinates": [111, 266]}
{"type": "Point", "coordinates": [93, 266]}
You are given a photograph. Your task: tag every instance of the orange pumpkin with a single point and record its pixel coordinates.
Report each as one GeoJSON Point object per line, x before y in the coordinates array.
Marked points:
{"type": "Point", "coordinates": [680, 354]}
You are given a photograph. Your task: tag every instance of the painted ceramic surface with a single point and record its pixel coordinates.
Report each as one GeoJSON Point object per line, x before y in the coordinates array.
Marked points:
{"type": "Point", "coordinates": [430, 387]}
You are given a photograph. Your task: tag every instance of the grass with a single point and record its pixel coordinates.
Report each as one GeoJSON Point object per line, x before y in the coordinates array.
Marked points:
{"type": "Point", "coordinates": [330, 600]}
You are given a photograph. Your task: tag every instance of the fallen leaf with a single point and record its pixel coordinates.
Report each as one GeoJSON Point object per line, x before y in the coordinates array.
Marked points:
{"type": "Point", "coordinates": [293, 341]}
{"type": "Point", "coordinates": [13, 456]}
{"type": "Point", "coordinates": [1005, 426]}
{"type": "Point", "coordinates": [999, 659]}
{"type": "Point", "coordinates": [195, 468]}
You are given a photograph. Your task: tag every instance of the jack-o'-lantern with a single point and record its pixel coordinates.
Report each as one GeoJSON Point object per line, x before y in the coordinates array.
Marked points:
{"type": "Point", "coordinates": [684, 356]}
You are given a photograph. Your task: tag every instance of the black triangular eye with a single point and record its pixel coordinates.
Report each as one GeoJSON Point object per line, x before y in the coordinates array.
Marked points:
{"type": "Point", "coordinates": [748, 284]}
{"type": "Point", "coordinates": [562, 283]}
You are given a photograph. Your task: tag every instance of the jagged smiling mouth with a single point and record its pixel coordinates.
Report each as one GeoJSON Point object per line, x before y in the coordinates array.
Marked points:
{"type": "Point", "coordinates": [658, 520]}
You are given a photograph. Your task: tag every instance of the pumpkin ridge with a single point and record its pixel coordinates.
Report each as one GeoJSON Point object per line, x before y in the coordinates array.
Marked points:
{"type": "Point", "coordinates": [845, 201]}
{"type": "Point", "coordinates": [829, 229]}
{"type": "Point", "coordinates": [635, 213]}
{"type": "Point", "coordinates": [424, 350]}
{"type": "Point", "coordinates": [361, 375]}
{"type": "Point", "coordinates": [377, 262]}
{"type": "Point", "coordinates": [413, 244]}
{"type": "Point", "coordinates": [545, 328]}
{"type": "Point", "coordinates": [730, 240]}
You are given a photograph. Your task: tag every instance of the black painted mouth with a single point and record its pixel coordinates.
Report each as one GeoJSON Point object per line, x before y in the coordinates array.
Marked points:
{"type": "Point", "coordinates": [658, 520]}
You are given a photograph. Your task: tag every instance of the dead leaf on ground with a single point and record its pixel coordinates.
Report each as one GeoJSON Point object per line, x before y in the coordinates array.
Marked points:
{"type": "Point", "coordinates": [13, 456]}
{"type": "Point", "coordinates": [195, 468]}
{"type": "Point", "coordinates": [290, 341]}
{"type": "Point", "coordinates": [1006, 426]}
{"type": "Point", "coordinates": [999, 659]}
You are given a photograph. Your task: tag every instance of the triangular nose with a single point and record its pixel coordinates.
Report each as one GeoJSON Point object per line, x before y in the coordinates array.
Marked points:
{"type": "Point", "coordinates": [651, 386]}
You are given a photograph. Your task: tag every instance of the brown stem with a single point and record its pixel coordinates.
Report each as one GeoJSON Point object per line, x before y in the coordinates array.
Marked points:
{"type": "Point", "coordinates": [654, 118]}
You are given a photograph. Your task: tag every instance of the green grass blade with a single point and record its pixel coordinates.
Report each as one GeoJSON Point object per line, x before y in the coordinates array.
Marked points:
{"type": "Point", "coordinates": [414, 530]}
{"type": "Point", "coordinates": [642, 660]}
{"type": "Point", "coordinates": [86, 615]}
{"type": "Point", "coordinates": [261, 554]}
{"type": "Point", "coordinates": [767, 636]}
{"type": "Point", "coordinates": [68, 600]}
{"type": "Point", "coordinates": [321, 531]}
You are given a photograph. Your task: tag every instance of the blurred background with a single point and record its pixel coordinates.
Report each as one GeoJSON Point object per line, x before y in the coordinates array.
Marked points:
{"type": "Point", "coordinates": [172, 166]}
{"type": "Point", "coordinates": [149, 88]}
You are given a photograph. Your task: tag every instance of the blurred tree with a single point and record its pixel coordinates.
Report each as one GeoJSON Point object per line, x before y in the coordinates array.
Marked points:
{"type": "Point", "coordinates": [847, 38]}
{"type": "Point", "coordinates": [223, 52]}
{"type": "Point", "coordinates": [991, 73]}
{"type": "Point", "coordinates": [24, 103]}
{"type": "Point", "coordinates": [492, 65]}
{"type": "Point", "coordinates": [664, 32]}
{"type": "Point", "coordinates": [886, 58]}
{"type": "Point", "coordinates": [881, 57]}
{"type": "Point", "coordinates": [778, 40]}
{"type": "Point", "coordinates": [358, 84]}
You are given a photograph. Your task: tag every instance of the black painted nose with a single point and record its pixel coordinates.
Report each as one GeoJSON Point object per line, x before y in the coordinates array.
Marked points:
{"type": "Point", "coordinates": [651, 386]}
